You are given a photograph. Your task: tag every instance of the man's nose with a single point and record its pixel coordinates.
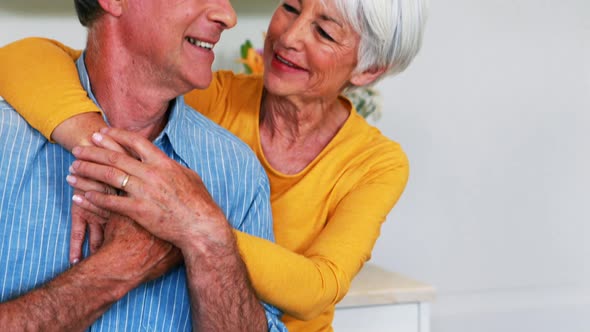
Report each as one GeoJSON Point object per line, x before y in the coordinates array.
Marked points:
{"type": "Point", "coordinates": [224, 14]}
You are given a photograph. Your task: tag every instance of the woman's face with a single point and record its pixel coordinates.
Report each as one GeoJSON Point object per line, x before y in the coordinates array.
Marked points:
{"type": "Point", "coordinates": [309, 50]}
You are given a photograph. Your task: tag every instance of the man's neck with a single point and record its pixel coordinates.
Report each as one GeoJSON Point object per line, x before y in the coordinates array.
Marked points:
{"type": "Point", "coordinates": [129, 97]}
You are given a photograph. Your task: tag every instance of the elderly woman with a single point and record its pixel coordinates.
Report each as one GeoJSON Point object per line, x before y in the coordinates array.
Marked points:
{"type": "Point", "coordinates": [334, 178]}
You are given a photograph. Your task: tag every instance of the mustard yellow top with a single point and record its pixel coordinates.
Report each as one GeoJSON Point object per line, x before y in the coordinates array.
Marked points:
{"type": "Point", "coordinates": [326, 218]}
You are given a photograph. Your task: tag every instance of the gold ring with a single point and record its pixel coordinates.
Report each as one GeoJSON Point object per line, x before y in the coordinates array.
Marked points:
{"type": "Point", "coordinates": [125, 180]}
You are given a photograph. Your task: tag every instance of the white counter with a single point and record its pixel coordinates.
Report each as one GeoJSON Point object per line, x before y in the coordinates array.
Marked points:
{"type": "Point", "coordinates": [376, 286]}
{"type": "Point", "coordinates": [380, 300]}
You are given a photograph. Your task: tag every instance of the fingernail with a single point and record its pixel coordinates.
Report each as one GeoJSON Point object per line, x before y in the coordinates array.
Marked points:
{"type": "Point", "coordinates": [77, 198]}
{"type": "Point", "coordinates": [75, 261]}
{"type": "Point", "coordinates": [76, 150]}
{"type": "Point", "coordinates": [97, 137]}
{"type": "Point", "coordinates": [71, 179]}
{"type": "Point", "coordinates": [73, 166]}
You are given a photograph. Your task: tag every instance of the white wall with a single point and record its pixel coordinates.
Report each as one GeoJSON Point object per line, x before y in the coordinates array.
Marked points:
{"type": "Point", "coordinates": [494, 115]}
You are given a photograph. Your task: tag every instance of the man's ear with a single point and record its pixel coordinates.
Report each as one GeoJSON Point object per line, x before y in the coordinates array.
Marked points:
{"type": "Point", "coordinates": [366, 77]}
{"type": "Point", "coordinates": [113, 7]}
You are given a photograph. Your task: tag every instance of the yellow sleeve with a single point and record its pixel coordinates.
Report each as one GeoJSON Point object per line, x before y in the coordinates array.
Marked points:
{"type": "Point", "coordinates": [40, 80]}
{"type": "Point", "coordinates": [207, 101]}
{"type": "Point", "coordinates": [303, 286]}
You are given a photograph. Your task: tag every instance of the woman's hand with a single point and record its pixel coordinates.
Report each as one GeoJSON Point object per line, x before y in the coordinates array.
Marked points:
{"type": "Point", "coordinates": [167, 199]}
{"type": "Point", "coordinates": [87, 217]}
{"type": "Point", "coordinates": [76, 130]}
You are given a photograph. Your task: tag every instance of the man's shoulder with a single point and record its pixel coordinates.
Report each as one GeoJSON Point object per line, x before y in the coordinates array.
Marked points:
{"type": "Point", "coordinates": [206, 143]}
{"type": "Point", "coordinates": [22, 148]}
{"type": "Point", "coordinates": [14, 127]}
{"type": "Point", "coordinates": [9, 114]}
{"type": "Point", "coordinates": [4, 104]}
{"type": "Point", "coordinates": [230, 170]}
{"type": "Point", "coordinates": [215, 132]}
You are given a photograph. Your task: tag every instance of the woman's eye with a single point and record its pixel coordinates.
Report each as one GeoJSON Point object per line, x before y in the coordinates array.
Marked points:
{"type": "Point", "coordinates": [289, 8]}
{"type": "Point", "coordinates": [324, 34]}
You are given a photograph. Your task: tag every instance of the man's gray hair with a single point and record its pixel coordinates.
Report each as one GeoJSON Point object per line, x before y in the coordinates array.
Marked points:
{"type": "Point", "coordinates": [88, 11]}
{"type": "Point", "coordinates": [390, 30]}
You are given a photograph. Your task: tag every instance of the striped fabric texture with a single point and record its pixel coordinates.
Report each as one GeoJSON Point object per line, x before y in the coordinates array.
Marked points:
{"type": "Point", "coordinates": [35, 203]}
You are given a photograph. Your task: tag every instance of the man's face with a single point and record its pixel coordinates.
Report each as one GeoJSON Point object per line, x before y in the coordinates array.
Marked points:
{"type": "Point", "coordinates": [173, 39]}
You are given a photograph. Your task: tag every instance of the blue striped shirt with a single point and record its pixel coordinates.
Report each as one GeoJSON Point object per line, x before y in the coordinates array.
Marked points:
{"type": "Point", "coordinates": [35, 203]}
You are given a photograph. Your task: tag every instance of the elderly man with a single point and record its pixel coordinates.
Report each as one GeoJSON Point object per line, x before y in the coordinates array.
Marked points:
{"type": "Point", "coordinates": [141, 55]}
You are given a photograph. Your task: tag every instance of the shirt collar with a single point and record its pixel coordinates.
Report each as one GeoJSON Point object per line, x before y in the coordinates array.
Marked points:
{"type": "Point", "coordinates": [173, 128]}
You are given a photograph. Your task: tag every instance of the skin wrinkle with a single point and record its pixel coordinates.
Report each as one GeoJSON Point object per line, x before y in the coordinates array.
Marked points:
{"type": "Point", "coordinates": [301, 112]}
{"type": "Point", "coordinates": [200, 238]}
{"type": "Point", "coordinates": [227, 270]}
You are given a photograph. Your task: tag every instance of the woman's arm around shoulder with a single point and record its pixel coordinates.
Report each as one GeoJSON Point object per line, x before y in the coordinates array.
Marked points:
{"type": "Point", "coordinates": [305, 285]}
{"type": "Point", "coordinates": [40, 81]}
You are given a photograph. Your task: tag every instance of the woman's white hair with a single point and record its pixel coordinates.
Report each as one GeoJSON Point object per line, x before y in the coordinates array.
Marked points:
{"type": "Point", "coordinates": [390, 30]}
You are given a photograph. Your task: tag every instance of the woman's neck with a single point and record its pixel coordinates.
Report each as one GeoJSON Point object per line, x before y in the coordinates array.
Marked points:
{"type": "Point", "coordinates": [295, 120]}
{"type": "Point", "coordinates": [294, 132]}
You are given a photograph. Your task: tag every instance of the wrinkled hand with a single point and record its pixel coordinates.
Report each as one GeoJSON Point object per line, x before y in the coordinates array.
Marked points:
{"type": "Point", "coordinates": [166, 198]}
{"type": "Point", "coordinates": [83, 220]}
{"type": "Point", "coordinates": [87, 216]}
{"type": "Point", "coordinates": [138, 254]}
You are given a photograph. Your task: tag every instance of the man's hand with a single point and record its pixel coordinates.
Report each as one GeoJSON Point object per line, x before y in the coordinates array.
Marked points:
{"type": "Point", "coordinates": [85, 215]}
{"type": "Point", "coordinates": [75, 299]}
{"type": "Point", "coordinates": [172, 203]}
{"type": "Point", "coordinates": [146, 257]}
{"type": "Point", "coordinates": [84, 220]}
{"type": "Point", "coordinates": [166, 198]}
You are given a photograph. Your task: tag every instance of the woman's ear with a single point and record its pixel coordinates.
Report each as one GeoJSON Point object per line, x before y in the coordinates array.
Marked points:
{"type": "Point", "coordinates": [366, 77]}
{"type": "Point", "coordinates": [113, 7]}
